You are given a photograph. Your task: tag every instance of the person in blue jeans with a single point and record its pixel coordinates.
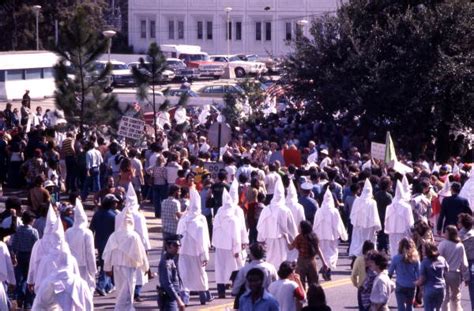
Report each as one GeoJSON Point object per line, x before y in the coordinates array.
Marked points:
{"type": "Point", "coordinates": [103, 225]}
{"type": "Point", "coordinates": [432, 271]}
{"type": "Point", "coordinates": [406, 265]}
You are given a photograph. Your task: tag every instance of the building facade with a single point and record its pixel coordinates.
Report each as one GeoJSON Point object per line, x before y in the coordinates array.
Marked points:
{"type": "Point", "coordinates": [262, 27]}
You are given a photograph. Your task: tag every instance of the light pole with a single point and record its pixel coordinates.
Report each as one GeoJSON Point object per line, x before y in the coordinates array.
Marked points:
{"type": "Point", "coordinates": [302, 23]}
{"type": "Point", "coordinates": [109, 34]}
{"type": "Point", "coordinates": [36, 9]}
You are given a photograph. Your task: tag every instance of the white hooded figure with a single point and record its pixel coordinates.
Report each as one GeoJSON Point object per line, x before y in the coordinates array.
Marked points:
{"type": "Point", "coordinates": [7, 274]}
{"type": "Point", "coordinates": [274, 225]}
{"type": "Point", "coordinates": [124, 254]}
{"type": "Point", "coordinates": [63, 289]}
{"type": "Point", "coordinates": [139, 221]}
{"type": "Point", "coordinates": [365, 220]}
{"type": "Point", "coordinates": [194, 252]}
{"type": "Point", "coordinates": [329, 228]}
{"type": "Point", "coordinates": [297, 210]}
{"type": "Point", "coordinates": [398, 219]}
{"type": "Point", "coordinates": [227, 237]}
{"type": "Point", "coordinates": [467, 191]}
{"type": "Point", "coordinates": [406, 194]}
{"type": "Point", "coordinates": [81, 244]}
{"type": "Point", "coordinates": [53, 237]}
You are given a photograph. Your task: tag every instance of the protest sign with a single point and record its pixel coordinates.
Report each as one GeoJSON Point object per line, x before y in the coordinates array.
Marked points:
{"type": "Point", "coordinates": [131, 128]}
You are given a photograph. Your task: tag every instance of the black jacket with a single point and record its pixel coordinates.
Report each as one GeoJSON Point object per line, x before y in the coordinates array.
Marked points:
{"type": "Point", "coordinates": [450, 209]}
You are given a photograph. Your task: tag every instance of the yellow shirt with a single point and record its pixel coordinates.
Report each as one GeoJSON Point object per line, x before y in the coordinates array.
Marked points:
{"type": "Point", "coordinates": [358, 271]}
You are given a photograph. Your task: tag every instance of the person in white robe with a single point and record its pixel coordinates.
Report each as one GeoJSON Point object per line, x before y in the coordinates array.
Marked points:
{"type": "Point", "coordinates": [406, 188]}
{"type": "Point", "coordinates": [364, 219]}
{"type": "Point", "coordinates": [63, 289]}
{"type": "Point", "coordinates": [194, 252]}
{"type": "Point", "coordinates": [81, 243]}
{"type": "Point", "coordinates": [329, 228]}
{"type": "Point", "coordinates": [7, 275]}
{"type": "Point", "coordinates": [297, 210]}
{"type": "Point", "coordinates": [124, 254]}
{"type": "Point", "coordinates": [467, 191]}
{"type": "Point", "coordinates": [398, 219]}
{"type": "Point", "coordinates": [227, 239]}
{"type": "Point", "coordinates": [43, 254]}
{"type": "Point", "coordinates": [140, 226]}
{"type": "Point", "coordinates": [276, 227]}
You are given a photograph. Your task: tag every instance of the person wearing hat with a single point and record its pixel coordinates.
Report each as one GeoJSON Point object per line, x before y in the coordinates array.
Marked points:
{"type": "Point", "coordinates": [325, 159]}
{"type": "Point", "coordinates": [103, 225]}
{"type": "Point", "coordinates": [170, 281]}
{"type": "Point", "coordinates": [309, 204]}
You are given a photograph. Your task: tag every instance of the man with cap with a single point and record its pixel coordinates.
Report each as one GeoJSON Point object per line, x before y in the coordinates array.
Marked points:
{"type": "Point", "coordinates": [365, 219]}
{"type": "Point", "coordinates": [103, 225]}
{"type": "Point", "coordinates": [194, 254]}
{"type": "Point", "coordinates": [123, 256]}
{"type": "Point", "coordinates": [309, 204]}
{"type": "Point", "coordinates": [169, 298]}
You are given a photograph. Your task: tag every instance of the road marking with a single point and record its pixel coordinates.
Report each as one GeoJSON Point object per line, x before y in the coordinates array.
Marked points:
{"type": "Point", "coordinates": [325, 285]}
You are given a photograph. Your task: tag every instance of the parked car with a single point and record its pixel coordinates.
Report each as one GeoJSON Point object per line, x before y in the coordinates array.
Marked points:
{"type": "Point", "coordinates": [166, 76]}
{"type": "Point", "coordinates": [273, 64]}
{"type": "Point", "coordinates": [121, 74]}
{"type": "Point", "coordinates": [219, 90]}
{"type": "Point", "coordinates": [180, 92]}
{"type": "Point", "coordinates": [241, 67]}
{"type": "Point", "coordinates": [180, 69]}
{"type": "Point", "coordinates": [201, 61]}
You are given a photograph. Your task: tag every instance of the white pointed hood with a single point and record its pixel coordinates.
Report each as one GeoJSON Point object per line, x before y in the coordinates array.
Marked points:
{"type": "Point", "coordinates": [292, 202]}
{"type": "Point", "coordinates": [80, 217]}
{"type": "Point", "coordinates": [195, 202]}
{"type": "Point", "coordinates": [278, 194]}
{"type": "Point", "coordinates": [51, 219]}
{"type": "Point", "coordinates": [406, 188]}
{"type": "Point", "coordinates": [234, 191]}
{"type": "Point", "coordinates": [328, 224]}
{"type": "Point", "coordinates": [467, 190]}
{"type": "Point", "coordinates": [291, 194]}
{"type": "Point", "coordinates": [399, 215]}
{"type": "Point", "coordinates": [364, 212]}
{"type": "Point", "coordinates": [446, 190]}
{"type": "Point", "coordinates": [131, 199]}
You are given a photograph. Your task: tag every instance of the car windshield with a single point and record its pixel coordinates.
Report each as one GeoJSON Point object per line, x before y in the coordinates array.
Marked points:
{"type": "Point", "coordinates": [198, 57]}
{"type": "Point", "coordinates": [174, 63]}
{"type": "Point", "coordinates": [234, 59]}
{"type": "Point", "coordinates": [252, 58]}
{"type": "Point", "coordinates": [119, 66]}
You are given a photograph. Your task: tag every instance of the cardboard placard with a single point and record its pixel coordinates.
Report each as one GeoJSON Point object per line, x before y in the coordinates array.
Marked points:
{"type": "Point", "coordinates": [213, 168]}
{"type": "Point", "coordinates": [377, 151]}
{"type": "Point", "coordinates": [131, 128]}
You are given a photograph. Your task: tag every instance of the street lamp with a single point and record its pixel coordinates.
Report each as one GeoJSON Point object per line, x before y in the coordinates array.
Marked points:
{"type": "Point", "coordinates": [109, 34]}
{"type": "Point", "coordinates": [36, 9]}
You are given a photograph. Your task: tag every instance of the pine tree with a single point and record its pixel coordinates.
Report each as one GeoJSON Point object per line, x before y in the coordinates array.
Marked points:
{"type": "Point", "coordinates": [81, 96]}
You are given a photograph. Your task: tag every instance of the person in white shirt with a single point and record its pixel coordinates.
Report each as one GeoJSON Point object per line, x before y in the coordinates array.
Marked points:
{"type": "Point", "coordinates": [270, 181]}
{"type": "Point", "coordinates": [398, 219]}
{"type": "Point", "coordinates": [365, 219]}
{"type": "Point", "coordinates": [288, 290]}
{"type": "Point", "coordinates": [329, 228]}
{"type": "Point", "coordinates": [229, 238]}
{"type": "Point", "coordinates": [467, 190]}
{"type": "Point", "coordinates": [194, 253]}
{"type": "Point", "coordinates": [124, 254]}
{"type": "Point", "coordinates": [276, 226]}
{"type": "Point", "coordinates": [81, 243]}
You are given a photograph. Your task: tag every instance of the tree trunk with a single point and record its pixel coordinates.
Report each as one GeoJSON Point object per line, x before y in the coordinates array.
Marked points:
{"type": "Point", "coordinates": [442, 143]}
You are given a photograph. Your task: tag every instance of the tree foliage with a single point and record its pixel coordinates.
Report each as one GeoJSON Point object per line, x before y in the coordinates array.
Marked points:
{"type": "Point", "coordinates": [80, 86]}
{"type": "Point", "coordinates": [17, 21]}
{"type": "Point", "coordinates": [404, 66]}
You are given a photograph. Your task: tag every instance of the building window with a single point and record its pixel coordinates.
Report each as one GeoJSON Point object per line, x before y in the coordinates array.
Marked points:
{"type": "Point", "coordinates": [229, 31]}
{"type": "Point", "coordinates": [143, 29]}
{"type": "Point", "coordinates": [268, 31]}
{"type": "Point", "coordinates": [258, 31]}
{"type": "Point", "coordinates": [152, 29]}
{"type": "Point", "coordinates": [2, 75]}
{"type": "Point", "coordinates": [238, 31]}
{"type": "Point", "coordinates": [171, 30]}
{"type": "Point", "coordinates": [288, 31]}
{"type": "Point", "coordinates": [209, 30]}
{"type": "Point", "coordinates": [199, 30]}
{"type": "Point", "coordinates": [47, 73]}
{"type": "Point", "coordinates": [33, 73]}
{"type": "Point", "coordinates": [180, 30]}
{"type": "Point", "coordinates": [15, 74]}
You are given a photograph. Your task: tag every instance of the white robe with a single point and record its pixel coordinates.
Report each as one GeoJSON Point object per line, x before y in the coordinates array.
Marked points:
{"type": "Point", "coordinates": [7, 274]}
{"type": "Point", "coordinates": [359, 236]}
{"type": "Point", "coordinates": [225, 264]}
{"type": "Point", "coordinates": [330, 251]}
{"type": "Point", "coordinates": [125, 280]}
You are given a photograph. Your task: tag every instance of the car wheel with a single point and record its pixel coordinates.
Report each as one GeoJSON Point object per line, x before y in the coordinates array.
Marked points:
{"type": "Point", "coordinates": [239, 72]}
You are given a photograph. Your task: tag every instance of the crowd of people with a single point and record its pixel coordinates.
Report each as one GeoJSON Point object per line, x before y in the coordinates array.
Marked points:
{"type": "Point", "coordinates": [288, 191]}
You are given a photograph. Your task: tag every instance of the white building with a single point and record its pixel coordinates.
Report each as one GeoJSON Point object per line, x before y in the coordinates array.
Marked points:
{"type": "Point", "coordinates": [27, 70]}
{"type": "Point", "coordinates": [256, 26]}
